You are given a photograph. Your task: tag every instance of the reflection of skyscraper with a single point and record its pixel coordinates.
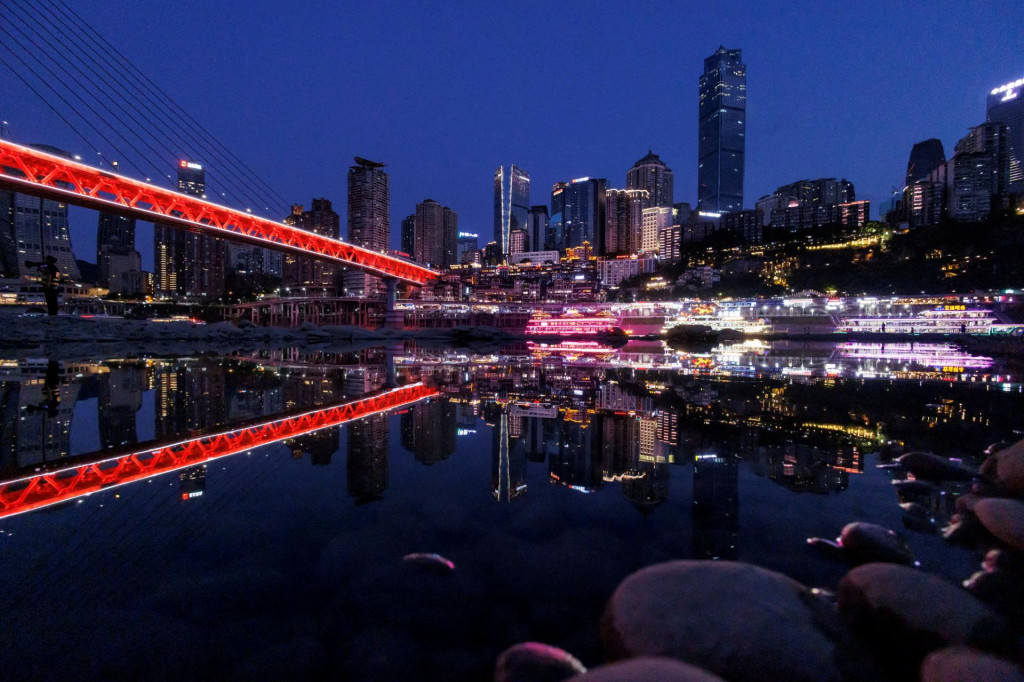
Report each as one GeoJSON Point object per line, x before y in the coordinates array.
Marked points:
{"type": "Point", "coordinates": [508, 462]}
{"type": "Point", "coordinates": [429, 430]}
{"type": "Point", "coordinates": [319, 445]}
{"type": "Point", "coordinates": [189, 398]}
{"type": "Point", "coordinates": [192, 482]}
{"type": "Point", "coordinates": [120, 397]}
{"type": "Point", "coordinates": [715, 507]}
{"type": "Point", "coordinates": [511, 204]}
{"type": "Point", "coordinates": [721, 138]}
{"type": "Point", "coordinates": [576, 461]}
{"type": "Point", "coordinates": [367, 463]}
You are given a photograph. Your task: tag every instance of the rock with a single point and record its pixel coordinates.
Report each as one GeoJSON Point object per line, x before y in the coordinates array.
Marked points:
{"type": "Point", "coordinates": [535, 662]}
{"type": "Point", "coordinates": [932, 467]}
{"type": "Point", "coordinates": [905, 613]}
{"type": "Point", "coordinates": [1000, 590]}
{"type": "Point", "coordinates": [867, 542]}
{"type": "Point", "coordinates": [1010, 468]}
{"type": "Point", "coordinates": [647, 669]}
{"type": "Point", "coordinates": [736, 620]}
{"type": "Point", "coordinates": [1001, 560]}
{"type": "Point", "coordinates": [1004, 519]}
{"type": "Point", "coordinates": [964, 529]}
{"type": "Point", "coordinates": [913, 487]}
{"type": "Point", "coordinates": [962, 664]}
{"type": "Point", "coordinates": [829, 548]}
{"type": "Point", "coordinates": [966, 502]}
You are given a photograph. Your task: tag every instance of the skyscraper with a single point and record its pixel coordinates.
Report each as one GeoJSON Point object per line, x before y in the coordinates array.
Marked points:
{"type": "Point", "coordinates": [624, 220]}
{"type": "Point", "coordinates": [33, 228]}
{"type": "Point", "coordinates": [408, 236]}
{"type": "Point", "coordinates": [721, 143]}
{"type": "Point", "coordinates": [189, 264]}
{"type": "Point", "coordinates": [651, 173]}
{"type": "Point", "coordinates": [1006, 105]}
{"type": "Point", "coordinates": [369, 218]}
{"type": "Point", "coordinates": [583, 212]}
{"type": "Point", "coordinates": [537, 227]}
{"type": "Point", "coordinates": [978, 170]}
{"type": "Point", "coordinates": [925, 157]}
{"type": "Point", "coordinates": [511, 203]}
{"type": "Point", "coordinates": [435, 234]}
{"type": "Point", "coordinates": [310, 273]}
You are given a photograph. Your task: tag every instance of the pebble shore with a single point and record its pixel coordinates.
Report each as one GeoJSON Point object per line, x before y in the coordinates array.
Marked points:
{"type": "Point", "coordinates": [886, 619]}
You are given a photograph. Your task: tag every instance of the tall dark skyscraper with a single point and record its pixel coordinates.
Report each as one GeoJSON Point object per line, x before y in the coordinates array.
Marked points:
{"type": "Point", "coordinates": [651, 173]}
{"type": "Point", "coordinates": [369, 218]}
{"type": "Point", "coordinates": [435, 234]}
{"type": "Point", "coordinates": [721, 141]}
{"type": "Point", "coordinates": [583, 212]}
{"type": "Point", "coordinates": [537, 227]}
{"type": "Point", "coordinates": [408, 241]}
{"type": "Point", "coordinates": [33, 228]}
{"type": "Point", "coordinates": [303, 273]}
{"type": "Point", "coordinates": [189, 264]}
{"type": "Point", "coordinates": [925, 157]}
{"type": "Point", "coordinates": [1006, 105]}
{"type": "Point", "coordinates": [511, 203]}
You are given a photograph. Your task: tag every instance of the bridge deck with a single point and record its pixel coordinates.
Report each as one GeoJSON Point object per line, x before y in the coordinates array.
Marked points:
{"type": "Point", "coordinates": [32, 171]}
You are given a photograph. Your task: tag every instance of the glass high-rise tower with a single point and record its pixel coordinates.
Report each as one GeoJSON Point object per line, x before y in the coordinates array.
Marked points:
{"type": "Point", "coordinates": [721, 139]}
{"type": "Point", "coordinates": [1006, 105]}
{"type": "Point", "coordinates": [511, 203]}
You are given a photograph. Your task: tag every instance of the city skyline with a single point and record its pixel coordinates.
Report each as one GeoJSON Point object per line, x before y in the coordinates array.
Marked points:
{"type": "Point", "coordinates": [451, 150]}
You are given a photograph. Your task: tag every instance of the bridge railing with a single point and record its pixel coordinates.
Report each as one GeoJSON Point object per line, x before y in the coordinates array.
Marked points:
{"type": "Point", "coordinates": [32, 171]}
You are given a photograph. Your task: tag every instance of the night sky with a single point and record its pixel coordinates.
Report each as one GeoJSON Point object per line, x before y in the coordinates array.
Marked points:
{"type": "Point", "coordinates": [445, 93]}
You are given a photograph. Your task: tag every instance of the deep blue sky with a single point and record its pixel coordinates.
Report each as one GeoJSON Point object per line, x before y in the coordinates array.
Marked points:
{"type": "Point", "coordinates": [444, 92]}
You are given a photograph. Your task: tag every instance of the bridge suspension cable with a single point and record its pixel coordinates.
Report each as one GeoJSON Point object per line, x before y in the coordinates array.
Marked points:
{"type": "Point", "coordinates": [90, 70]}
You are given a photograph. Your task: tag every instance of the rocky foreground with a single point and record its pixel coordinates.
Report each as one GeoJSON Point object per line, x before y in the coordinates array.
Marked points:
{"type": "Point", "coordinates": [702, 621]}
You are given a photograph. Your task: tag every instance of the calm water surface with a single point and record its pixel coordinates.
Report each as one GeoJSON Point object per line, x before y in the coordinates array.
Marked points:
{"type": "Point", "coordinates": [133, 544]}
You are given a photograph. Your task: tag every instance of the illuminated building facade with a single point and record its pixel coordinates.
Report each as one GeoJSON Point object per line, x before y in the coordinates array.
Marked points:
{"type": "Point", "coordinates": [435, 235]}
{"type": "Point", "coordinates": [578, 214]}
{"type": "Point", "coordinates": [925, 157]}
{"type": "Point", "coordinates": [369, 219]}
{"type": "Point", "coordinates": [407, 244]}
{"type": "Point", "coordinates": [511, 204]}
{"type": "Point", "coordinates": [652, 222]}
{"type": "Point", "coordinates": [624, 220]}
{"type": "Point", "coordinates": [537, 228]}
{"type": "Point", "coordinates": [721, 142]}
{"type": "Point", "coordinates": [189, 264]}
{"type": "Point", "coordinates": [1005, 105]}
{"type": "Point", "coordinates": [306, 275]}
{"type": "Point", "coordinates": [650, 173]}
{"type": "Point", "coordinates": [978, 171]}
{"type": "Point", "coordinates": [32, 228]}
{"type": "Point", "coordinates": [367, 460]}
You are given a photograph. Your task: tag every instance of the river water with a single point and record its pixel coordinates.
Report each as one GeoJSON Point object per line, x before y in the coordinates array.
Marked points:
{"type": "Point", "coordinates": [252, 514]}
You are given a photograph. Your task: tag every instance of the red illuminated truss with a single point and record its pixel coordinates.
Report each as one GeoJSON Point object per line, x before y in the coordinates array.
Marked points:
{"type": "Point", "coordinates": [44, 489]}
{"type": "Point", "coordinates": [35, 172]}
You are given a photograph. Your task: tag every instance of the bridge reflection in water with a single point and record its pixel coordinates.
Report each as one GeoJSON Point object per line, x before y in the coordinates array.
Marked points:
{"type": "Point", "coordinates": [47, 488]}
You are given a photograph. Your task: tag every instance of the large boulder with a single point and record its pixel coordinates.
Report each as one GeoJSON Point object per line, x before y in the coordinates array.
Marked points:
{"type": "Point", "coordinates": [906, 613]}
{"type": "Point", "coordinates": [535, 662]}
{"type": "Point", "coordinates": [962, 664]}
{"type": "Point", "coordinates": [864, 543]}
{"type": "Point", "coordinates": [1010, 468]}
{"type": "Point", "coordinates": [647, 669]}
{"type": "Point", "coordinates": [1004, 519]}
{"type": "Point", "coordinates": [736, 620]}
{"type": "Point", "coordinates": [935, 468]}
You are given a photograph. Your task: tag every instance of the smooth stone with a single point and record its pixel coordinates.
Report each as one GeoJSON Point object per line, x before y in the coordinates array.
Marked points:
{"type": "Point", "coordinates": [1010, 468]}
{"type": "Point", "coordinates": [1004, 519]}
{"type": "Point", "coordinates": [934, 468]}
{"type": "Point", "coordinates": [911, 612]}
{"type": "Point", "coordinates": [536, 662]}
{"type": "Point", "coordinates": [1000, 590]}
{"type": "Point", "coordinates": [647, 669]}
{"type": "Point", "coordinates": [739, 621]}
{"type": "Point", "coordinates": [963, 664]}
{"type": "Point", "coordinates": [1001, 560]}
{"type": "Point", "coordinates": [867, 542]}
